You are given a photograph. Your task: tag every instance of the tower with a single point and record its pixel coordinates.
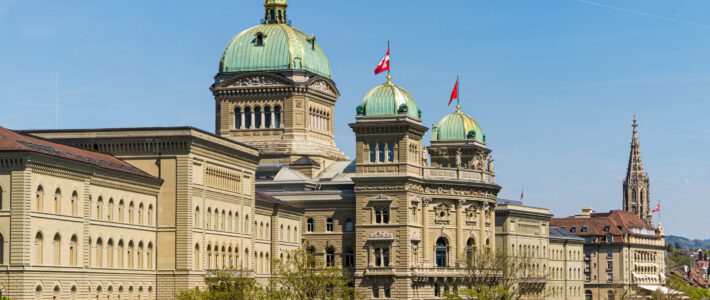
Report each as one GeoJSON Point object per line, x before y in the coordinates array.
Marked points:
{"type": "Point", "coordinates": [636, 184]}
{"type": "Point", "coordinates": [274, 91]}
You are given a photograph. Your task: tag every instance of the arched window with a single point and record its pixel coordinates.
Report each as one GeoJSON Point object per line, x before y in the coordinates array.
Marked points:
{"type": "Point", "coordinates": [610, 295]}
{"type": "Point", "coordinates": [109, 253]}
{"type": "Point", "coordinates": [238, 118]}
{"type": "Point", "coordinates": [140, 214]}
{"type": "Point", "coordinates": [230, 223]}
{"type": "Point", "coordinates": [74, 203]}
{"type": "Point", "coordinates": [330, 256]}
{"type": "Point", "coordinates": [121, 211]}
{"type": "Point", "coordinates": [196, 257]}
{"type": "Point", "coordinates": [99, 253]}
{"type": "Point", "coordinates": [247, 117]}
{"type": "Point", "coordinates": [267, 116]}
{"type": "Point", "coordinates": [470, 251]}
{"type": "Point", "coordinates": [150, 214]}
{"type": "Point", "coordinates": [329, 225]}
{"type": "Point", "coordinates": [57, 249]}
{"type": "Point", "coordinates": [349, 225]}
{"type": "Point", "coordinates": [2, 250]}
{"type": "Point", "coordinates": [1, 198]}
{"type": "Point", "coordinates": [131, 212]}
{"type": "Point", "coordinates": [295, 234]}
{"type": "Point", "coordinates": [120, 254]}
{"type": "Point", "coordinates": [38, 292]}
{"type": "Point", "coordinates": [149, 256]}
{"type": "Point", "coordinates": [73, 251]}
{"type": "Point", "coordinates": [441, 252]}
{"type": "Point", "coordinates": [259, 41]}
{"type": "Point", "coordinates": [310, 225]}
{"type": "Point", "coordinates": [277, 116]}
{"type": "Point", "coordinates": [257, 117]}
{"type": "Point", "coordinates": [587, 295]}
{"type": "Point", "coordinates": [288, 233]}
{"type": "Point", "coordinates": [39, 199]}
{"type": "Point", "coordinates": [208, 218]}
{"type": "Point", "coordinates": [99, 208]}
{"type": "Point", "coordinates": [109, 211]}
{"type": "Point", "coordinates": [209, 256]}
{"type": "Point", "coordinates": [57, 201]}
{"type": "Point", "coordinates": [130, 254]}
{"type": "Point", "coordinates": [139, 255]}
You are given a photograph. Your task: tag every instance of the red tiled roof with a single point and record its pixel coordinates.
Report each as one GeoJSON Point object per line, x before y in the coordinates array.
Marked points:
{"type": "Point", "coordinates": [11, 141]}
{"type": "Point", "coordinates": [615, 222]}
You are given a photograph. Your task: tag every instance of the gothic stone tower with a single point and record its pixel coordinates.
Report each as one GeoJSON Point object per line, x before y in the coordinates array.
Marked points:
{"type": "Point", "coordinates": [274, 91]}
{"type": "Point", "coordinates": [636, 184]}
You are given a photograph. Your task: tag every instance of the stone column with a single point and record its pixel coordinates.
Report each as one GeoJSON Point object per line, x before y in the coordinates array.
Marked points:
{"type": "Point", "coordinates": [425, 232]}
{"type": "Point", "coordinates": [253, 120]}
{"type": "Point", "coordinates": [241, 116]}
{"type": "Point", "coordinates": [482, 228]}
{"type": "Point", "coordinates": [273, 120]}
{"type": "Point", "coordinates": [459, 232]}
{"type": "Point", "coordinates": [262, 119]}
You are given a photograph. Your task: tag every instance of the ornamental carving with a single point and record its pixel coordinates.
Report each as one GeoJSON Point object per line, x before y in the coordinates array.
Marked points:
{"type": "Point", "coordinates": [321, 86]}
{"type": "Point", "coordinates": [256, 81]}
{"type": "Point", "coordinates": [415, 236]}
{"type": "Point", "coordinates": [381, 235]}
{"type": "Point", "coordinates": [443, 213]}
{"type": "Point", "coordinates": [381, 197]}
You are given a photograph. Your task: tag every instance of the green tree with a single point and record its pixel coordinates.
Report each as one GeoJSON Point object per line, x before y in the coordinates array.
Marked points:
{"type": "Point", "coordinates": [304, 277]}
{"type": "Point", "coordinates": [226, 285]}
{"type": "Point", "coordinates": [499, 276]}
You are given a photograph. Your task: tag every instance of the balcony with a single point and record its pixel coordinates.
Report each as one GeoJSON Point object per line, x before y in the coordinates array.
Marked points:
{"type": "Point", "coordinates": [458, 174]}
{"type": "Point", "coordinates": [379, 271]}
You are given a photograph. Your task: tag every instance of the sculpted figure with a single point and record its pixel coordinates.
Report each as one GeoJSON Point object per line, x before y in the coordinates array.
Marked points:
{"type": "Point", "coordinates": [458, 158]}
{"type": "Point", "coordinates": [490, 163]}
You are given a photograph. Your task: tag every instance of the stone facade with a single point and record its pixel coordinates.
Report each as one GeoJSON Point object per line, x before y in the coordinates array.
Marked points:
{"type": "Point", "coordinates": [621, 253]}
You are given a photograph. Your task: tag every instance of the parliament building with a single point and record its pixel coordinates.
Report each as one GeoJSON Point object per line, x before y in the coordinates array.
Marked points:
{"type": "Point", "coordinates": [142, 213]}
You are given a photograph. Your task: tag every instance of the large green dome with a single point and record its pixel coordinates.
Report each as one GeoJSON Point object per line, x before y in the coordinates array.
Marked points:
{"type": "Point", "coordinates": [388, 100]}
{"type": "Point", "coordinates": [274, 46]}
{"type": "Point", "coordinates": [457, 126]}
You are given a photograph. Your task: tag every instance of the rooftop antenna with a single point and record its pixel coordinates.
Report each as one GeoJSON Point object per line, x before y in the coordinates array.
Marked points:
{"type": "Point", "coordinates": [56, 103]}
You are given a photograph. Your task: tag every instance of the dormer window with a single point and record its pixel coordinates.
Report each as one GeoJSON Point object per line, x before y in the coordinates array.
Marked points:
{"type": "Point", "coordinates": [606, 228]}
{"type": "Point", "coordinates": [259, 41]}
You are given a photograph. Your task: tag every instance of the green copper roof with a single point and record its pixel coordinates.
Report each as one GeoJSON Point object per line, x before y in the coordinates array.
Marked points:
{"type": "Point", "coordinates": [283, 48]}
{"type": "Point", "coordinates": [388, 100]}
{"type": "Point", "coordinates": [457, 126]}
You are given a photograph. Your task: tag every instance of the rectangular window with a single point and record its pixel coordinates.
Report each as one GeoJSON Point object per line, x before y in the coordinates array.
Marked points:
{"type": "Point", "coordinates": [390, 152]}
{"type": "Point", "coordinates": [375, 292]}
{"type": "Point", "coordinates": [373, 152]}
{"type": "Point", "coordinates": [609, 253]}
{"type": "Point", "coordinates": [378, 216]}
{"type": "Point", "coordinates": [381, 152]}
{"type": "Point", "coordinates": [609, 277]}
{"type": "Point", "coordinates": [609, 265]}
{"type": "Point", "coordinates": [385, 216]}
{"type": "Point", "coordinates": [378, 257]}
{"type": "Point", "coordinates": [387, 291]}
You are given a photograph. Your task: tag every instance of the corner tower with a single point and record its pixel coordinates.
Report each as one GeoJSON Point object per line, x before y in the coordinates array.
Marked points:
{"type": "Point", "coordinates": [636, 184]}
{"type": "Point", "coordinates": [274, 91]}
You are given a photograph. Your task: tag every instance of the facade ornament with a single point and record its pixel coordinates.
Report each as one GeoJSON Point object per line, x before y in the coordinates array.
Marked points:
{"type": "Point", "coordinates": [321, 86]}
{"type": "Point", "coordinates": [426, 201]}
{"type": "Point", "coordinates": [425, 157]}
{"type": "Point", "coordinates": [256, 81]}
{"type": "Point", "coordinates": [461, 202]}
{"type": "Point", "coordinates": [381, 197]}
{"type": "Point", "coordinates": [415, 236]}
{"type": "Point", "coordinates": [381, 235]}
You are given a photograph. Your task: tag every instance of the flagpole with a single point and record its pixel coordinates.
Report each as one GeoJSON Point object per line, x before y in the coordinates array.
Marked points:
{"type": "Point", "coordinates": [458, 97]}
{"type": "Point", "coordinates": [389, 67]}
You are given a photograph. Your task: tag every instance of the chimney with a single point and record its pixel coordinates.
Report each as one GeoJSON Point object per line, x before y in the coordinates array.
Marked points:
{"type": "Point", "coordinates": [587, 212]}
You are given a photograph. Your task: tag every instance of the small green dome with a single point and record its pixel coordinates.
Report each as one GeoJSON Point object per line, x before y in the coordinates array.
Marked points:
{"type": "Point", "coordinates": [274, 47]}
{"type": "Point", "coordinates": [388, 100]}
{"type": "Point", "coordinates": [457, 126]}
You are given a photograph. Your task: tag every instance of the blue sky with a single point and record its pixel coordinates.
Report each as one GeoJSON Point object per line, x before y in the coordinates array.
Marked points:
{"type": "Point", "coordinates": [554, 83]}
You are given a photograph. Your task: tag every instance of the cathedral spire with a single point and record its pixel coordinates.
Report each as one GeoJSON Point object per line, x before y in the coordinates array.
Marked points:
{"type": "Point", "coordinates": [275, 11]}
{"type": "Point", "coordinates": [636, 184]}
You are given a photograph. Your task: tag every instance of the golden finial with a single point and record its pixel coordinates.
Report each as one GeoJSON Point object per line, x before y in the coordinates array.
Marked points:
{"type": "Point", "coordinates": [458, 106]}
{"type": "Point", "coordinates": [389, 78]}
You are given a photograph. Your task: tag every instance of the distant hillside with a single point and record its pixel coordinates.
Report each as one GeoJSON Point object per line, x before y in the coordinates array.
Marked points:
{"type": "Point", "coordinates": [687, 243]}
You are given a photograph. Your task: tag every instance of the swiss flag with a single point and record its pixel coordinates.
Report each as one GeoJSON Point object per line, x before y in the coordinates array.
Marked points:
{"type": "Point", "coordinates": [384, 64]}
{"type": "Point", "coordinates": [658, 208]}
{"type": "Point", "coordinates": [455, 92]}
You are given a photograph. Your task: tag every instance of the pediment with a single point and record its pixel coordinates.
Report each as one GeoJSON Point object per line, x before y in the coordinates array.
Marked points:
{"type": "Point", "coordinates": [323, 86]}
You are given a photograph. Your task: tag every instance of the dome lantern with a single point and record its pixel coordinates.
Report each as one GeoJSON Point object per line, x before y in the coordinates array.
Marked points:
{"type": "Point", "coordinates": [275, 11]}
